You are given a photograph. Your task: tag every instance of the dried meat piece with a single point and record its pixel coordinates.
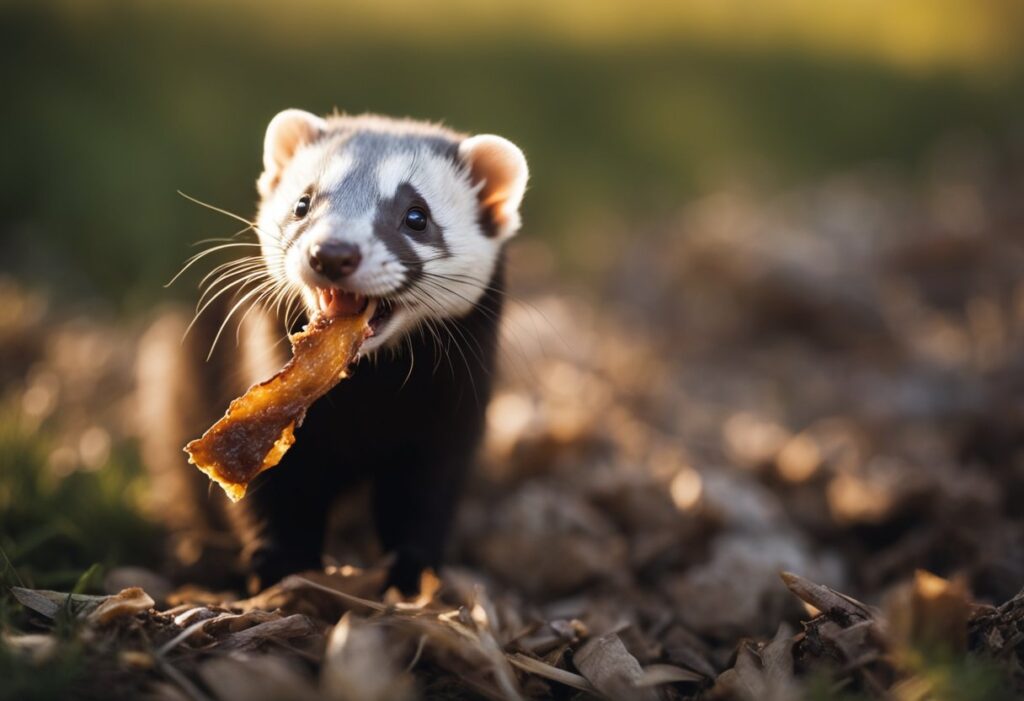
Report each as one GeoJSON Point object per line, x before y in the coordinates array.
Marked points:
{"type": "Point", "coordinates": [259, 427]}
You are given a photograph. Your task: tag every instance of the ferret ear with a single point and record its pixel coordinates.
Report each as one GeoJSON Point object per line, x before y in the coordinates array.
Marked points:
{"type": "Point", "coordinates": [287, 131]}
{"type": "Point", "coordinates": [498, 167]}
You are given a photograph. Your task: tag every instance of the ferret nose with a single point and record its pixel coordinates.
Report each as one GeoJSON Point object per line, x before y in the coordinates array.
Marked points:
{"type": "Point", "coordinates": [334, 259]}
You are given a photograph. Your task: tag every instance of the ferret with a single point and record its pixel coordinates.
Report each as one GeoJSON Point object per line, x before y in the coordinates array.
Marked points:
{"type": "Point", "coordinates": [412, 218]}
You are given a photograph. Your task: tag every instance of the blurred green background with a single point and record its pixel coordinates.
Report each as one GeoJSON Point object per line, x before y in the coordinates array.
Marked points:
{"type": "Point", "coordinates": [626, 110]}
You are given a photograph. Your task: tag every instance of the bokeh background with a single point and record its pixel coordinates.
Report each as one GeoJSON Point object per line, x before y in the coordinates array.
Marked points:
{"type": "Point", "coordinates": [769, 280]}
{"type": "Point", "coordinates": [627, 110]}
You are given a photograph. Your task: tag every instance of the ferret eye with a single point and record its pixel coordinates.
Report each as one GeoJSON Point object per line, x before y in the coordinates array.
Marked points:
{"type": "Point", "coordinates": [416, 219]}
{"type": "Point", "coordinates": [302, 207]}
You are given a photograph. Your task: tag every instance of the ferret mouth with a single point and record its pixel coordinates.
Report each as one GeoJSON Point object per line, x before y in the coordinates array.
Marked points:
{"type": "Point", "coordinates": [333, 302]}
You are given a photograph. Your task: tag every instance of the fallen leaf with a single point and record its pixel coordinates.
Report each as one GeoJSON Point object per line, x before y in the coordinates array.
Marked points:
{"type": "Point", "coordinates": [761, 673]}
{"type": "Point", "coordinates": [262, 677]}
{"type": "Point", "coordinates": [930, 612]}
{"type": "Point", "coordinates": [294, 626]}
{"type": "Point", "coordinates": [543, 669]}
{"type": "Point", "coordinates": [825, 599]}
{"type": "Point", "coordinates": [609, 667]}
{"type": "Point", "coordinates": [50, 603]}
{"type": "Point", "coordinates": [359, 665]}
{"type": "Point", "coordinates": [127, 602]}
{"type": "Point", "coordinates": [656, 674]}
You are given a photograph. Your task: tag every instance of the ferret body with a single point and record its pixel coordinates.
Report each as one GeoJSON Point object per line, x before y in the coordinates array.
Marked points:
{"type": "Point", "coordinates": [413, 219]}
{"type": "Point", "coordinates": [410, 424]}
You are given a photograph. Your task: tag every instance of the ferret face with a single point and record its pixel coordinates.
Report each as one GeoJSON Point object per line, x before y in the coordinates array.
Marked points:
{"type": "Point", "coordinates": [406, 216]}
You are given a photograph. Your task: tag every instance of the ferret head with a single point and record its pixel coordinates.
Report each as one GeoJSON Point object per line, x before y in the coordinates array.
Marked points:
{"type": "Point", "coordinates": [410, 217]}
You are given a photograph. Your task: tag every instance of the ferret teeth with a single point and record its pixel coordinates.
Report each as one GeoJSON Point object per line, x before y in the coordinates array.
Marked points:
{"type": "Point", "coordinates": [335, 302]}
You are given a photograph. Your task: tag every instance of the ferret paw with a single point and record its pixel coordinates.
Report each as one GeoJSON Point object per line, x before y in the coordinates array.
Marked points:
{"type": "Point", "coordinates": [406, 571]}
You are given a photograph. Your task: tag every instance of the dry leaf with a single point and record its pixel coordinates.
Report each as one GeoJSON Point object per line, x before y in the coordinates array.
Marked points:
{"type": "Point", "coordinates": [685, 649]}
{"type": "Point", "coordinates": [930, 612]}
{"type": "Point", "coordinates": [580, 544]}
{"type": "Point", "coordinates": [737, 591]}
{"type": "Point", "coordinates": [762, 673]}
{"type": "Point", "coordinates": [50, 603]}
{"type": "Point", "coordinates": [257, 678]}
{"type": "Point", "coordinates": [359, 665]}
{"type": "Point", "coordinates": [825, 599]}
{"type": "Point", "coordinates": [127, 602]}
{"type": "Point", "coordinates": [543, 669]}
{"type": "Point", "coordinates": [656, 674]}
{"type": "Point", "coordinates": [295, 626]}
{"type": "Point", "coordinates": [615, 673]}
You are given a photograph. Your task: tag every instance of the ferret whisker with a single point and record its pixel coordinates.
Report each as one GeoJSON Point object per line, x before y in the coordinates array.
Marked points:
{"type": "Point", "coordinates": [443, 288]}
{"type": "Point", "coordinates": [235, 262]}
{"type": "Point", "coordinates": [230, 241]}
{"type": "Point", "coordinates": [223, 324]}
{"type": "Point", "coordinates": [436, 340]}
{"type": "Point", "coordinates": [489, 313]}
{"type": "Point", "coordinates": [412, 362]}
{"type": "Point", "coordinates": [496, 316]}
{"type": "Point", "coordinates": [241, 320]}
{"type": "Point", "coordinates": [261, 261]}
{"type": "Point", "coordinates": [232, 277]}
{"type": "Point", "coordinates": [432, 324]}
{"type": "Point", "coordinates": [199, 256]}
{"type": "Point", "coordinates": [225, 239]}
{"type": "Point", "coordinates": [425, 300]}
{"type": "Point", "coordinates": [199, 311]}
{"type": "Point", "coordinates": [438, 345]}
{"type": "Point", "coordinates": [273, 301]}
{"type": "Point", "coordinates": [281, 299]}
{"type": "Point", "coordinates": [220, 210]}
{"type": "Point", "coordinates": [196, 258]}
{"type": "Point", "coordinates": [514, 299]}
{"type": "Point", "coordinates": [231, 273]}
{"type": "Point", "coordinates": [274, 291]}
{"type": "Point", "coordinates": [520, 362]}
{"type": "Point", "coordinates": [226, 282]}
{"type": "Point", "coordinates": [292, 312]}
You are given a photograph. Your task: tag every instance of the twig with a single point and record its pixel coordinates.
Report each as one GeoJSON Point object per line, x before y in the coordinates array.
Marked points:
{"type": "Point", "coordinates": [184, 635]}
{"type": "Point", "coordinates": [543, 669]}
{"type": "Point", "coordinates": [419, 652]}
{"type": "Point", "coordinates": [374, 605]}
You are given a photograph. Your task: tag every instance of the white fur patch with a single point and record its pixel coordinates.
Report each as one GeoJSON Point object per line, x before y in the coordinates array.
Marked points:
{"type": "Point", "coordinates": [393, 171]}
{"type": "Point", "coordinates": [334, 169]}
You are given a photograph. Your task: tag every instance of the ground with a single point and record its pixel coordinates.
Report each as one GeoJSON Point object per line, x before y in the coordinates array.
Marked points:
{"type": "Point", "coordinates": [776, 453]}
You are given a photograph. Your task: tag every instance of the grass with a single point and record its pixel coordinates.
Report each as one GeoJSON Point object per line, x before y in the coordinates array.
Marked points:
{"type": "Point", "coordinates": [61, 533]}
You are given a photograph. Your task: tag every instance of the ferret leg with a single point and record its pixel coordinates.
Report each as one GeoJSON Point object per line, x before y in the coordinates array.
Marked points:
{"type": "Point", "coordinates": [284, 520]}
{"type": "Point", "coordinates": [414, 507]}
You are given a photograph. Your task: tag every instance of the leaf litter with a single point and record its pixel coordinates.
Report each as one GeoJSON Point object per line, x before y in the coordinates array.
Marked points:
{"type": "Point", "coordinates": [782, 462]}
